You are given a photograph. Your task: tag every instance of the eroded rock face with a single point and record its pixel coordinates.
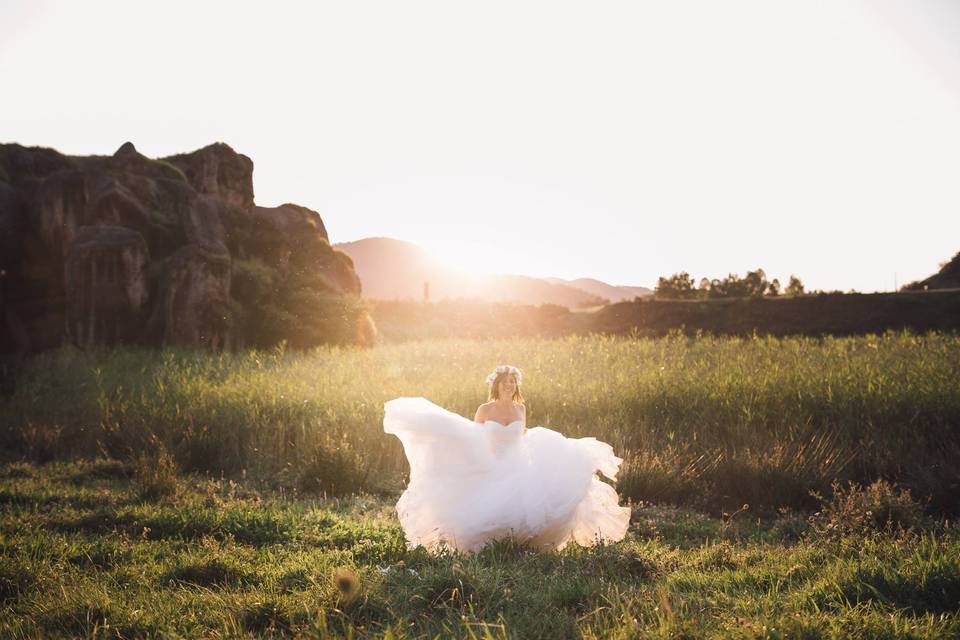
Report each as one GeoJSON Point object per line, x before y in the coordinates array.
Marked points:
{"type": "Point", "coordinates": [220, 171]}
{"type": "Point", "coordinates": [104, 250]}
{"type": "Point", "coordinates": [195, 304]}
{"type": "Point", "coordinates": [11, 228]}
{"type": "Point", "coordinates": [203, 224]}
{"type": "Point", "coordinates": [58, 207]}
{"type": "Point", "coordinates": [106, 285]}
{"type": "Point", "coordinates": [294, 237]}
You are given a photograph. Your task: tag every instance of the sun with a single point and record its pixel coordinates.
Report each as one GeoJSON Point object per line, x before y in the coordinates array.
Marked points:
{"type": "Point", "coordinates": [472, 258]}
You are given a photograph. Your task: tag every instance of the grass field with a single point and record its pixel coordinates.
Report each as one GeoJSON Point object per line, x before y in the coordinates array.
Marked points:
{"type": "Point", "coordinates": [189, 494]}
{"type": "Point", "coordinates": [83, 553]}
{"type": "Point", "coordinates": [707, 422]}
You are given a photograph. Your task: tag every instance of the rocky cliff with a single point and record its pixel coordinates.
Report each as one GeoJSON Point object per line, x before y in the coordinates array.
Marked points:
{"type": "Point", "coordinates": [106, 250]}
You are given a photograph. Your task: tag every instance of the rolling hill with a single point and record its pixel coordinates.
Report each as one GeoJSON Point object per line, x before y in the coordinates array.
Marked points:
{"type": "Point", "coordinates": [947, 278]}
{"type": "Point", "coordinates": [392, 269]}
{"type": "Point", "coordinates": [613, 293]}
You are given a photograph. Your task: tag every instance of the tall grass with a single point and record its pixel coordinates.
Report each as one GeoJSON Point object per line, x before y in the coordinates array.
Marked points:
{"type": "Point", "coordinates": [709, 421]}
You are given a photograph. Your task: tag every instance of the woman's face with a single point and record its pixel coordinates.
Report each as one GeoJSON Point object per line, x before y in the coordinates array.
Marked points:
{"type": "Point", "coordinates": [508, 385]}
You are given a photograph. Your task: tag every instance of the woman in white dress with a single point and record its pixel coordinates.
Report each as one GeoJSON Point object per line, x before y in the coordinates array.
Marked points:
{"type": "Point", "coordinates": [473, 481]}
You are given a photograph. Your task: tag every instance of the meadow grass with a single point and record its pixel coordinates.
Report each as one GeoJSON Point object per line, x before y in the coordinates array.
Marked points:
{"type": "Point", "coordinates": [709, 422]}
{"type": "Point", "coordinates": [83, 554]}
{"type": "Point", "coordinates": [251, 494]}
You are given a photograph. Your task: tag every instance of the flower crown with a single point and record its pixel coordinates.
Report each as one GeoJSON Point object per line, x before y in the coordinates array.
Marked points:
{"type": "Point", "coordinates": [505, 368]}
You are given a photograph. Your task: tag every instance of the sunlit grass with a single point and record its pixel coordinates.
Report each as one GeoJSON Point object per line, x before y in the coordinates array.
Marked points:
{"type": "Point", "coordinates": [713, 422]}
{"type": "Point", "coordinates": [82, 554]}
{"type": "Point", "coordinates": [137, 546]}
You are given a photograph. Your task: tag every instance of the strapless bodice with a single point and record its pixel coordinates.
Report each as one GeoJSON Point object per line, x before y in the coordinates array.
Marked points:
{"type": "Point", "coordinates": [501, 436]}
{"type": "Point", "coordinates": [505, 426]}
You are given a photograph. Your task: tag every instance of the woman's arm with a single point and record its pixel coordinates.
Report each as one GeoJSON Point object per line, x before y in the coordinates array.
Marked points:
{"type": "Point", "coordinates": [523, 414]}
{"type": "Point", "coordinates": [481, 414]}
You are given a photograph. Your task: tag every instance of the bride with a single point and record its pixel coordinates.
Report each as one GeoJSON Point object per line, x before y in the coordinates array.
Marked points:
{"type": "Point", "coordinates": [473, 481]}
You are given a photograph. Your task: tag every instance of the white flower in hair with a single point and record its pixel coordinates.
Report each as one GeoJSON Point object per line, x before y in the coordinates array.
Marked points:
{"type": "Point", "coordinates": [505, 368]}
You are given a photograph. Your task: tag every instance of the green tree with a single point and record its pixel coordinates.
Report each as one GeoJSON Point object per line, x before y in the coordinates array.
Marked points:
{"type": "Point", "coordinates": [755, 283]}
{"type": "Point", "coordinates": [795, 287]}
{"type": "Point", "coordinates": [730, 287]}
{"type": "Point", "coordinates": [679, 285]}
{"type": "Point", "coordinates": [773, 290]}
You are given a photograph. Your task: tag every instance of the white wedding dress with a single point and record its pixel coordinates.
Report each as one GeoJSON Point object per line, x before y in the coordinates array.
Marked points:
{"type": "Point", "coordinates": [473, 483]}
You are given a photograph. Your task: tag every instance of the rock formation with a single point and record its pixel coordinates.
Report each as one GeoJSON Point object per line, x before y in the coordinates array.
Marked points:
{"type": "Point", "coordinates": [124, 249]}
{"type": "Point", "coordinates": [105, 284]}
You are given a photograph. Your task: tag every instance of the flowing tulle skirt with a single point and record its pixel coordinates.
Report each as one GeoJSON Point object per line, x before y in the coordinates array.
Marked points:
{"type": "Point", "coordinates": [472, 483]}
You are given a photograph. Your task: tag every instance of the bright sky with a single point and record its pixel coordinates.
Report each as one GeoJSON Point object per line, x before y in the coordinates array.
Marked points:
{"type": "Point", "coordinates": [616, 140]}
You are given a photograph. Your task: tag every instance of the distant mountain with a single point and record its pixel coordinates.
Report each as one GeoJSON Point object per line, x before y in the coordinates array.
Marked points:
{"type": "Point", "coordinates": [613, 293]}
{"type": "Point", "coordinates": [393, 269]}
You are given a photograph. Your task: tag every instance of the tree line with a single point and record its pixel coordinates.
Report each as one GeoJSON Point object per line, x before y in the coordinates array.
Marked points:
{"type": "Point", "coordinates": [680, 286]}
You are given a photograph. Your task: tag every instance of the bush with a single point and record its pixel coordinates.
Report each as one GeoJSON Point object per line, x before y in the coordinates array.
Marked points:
{"type": "Point", "coordinates": [155, 472]}
{"type": "Point", "coordinates": [858, 511]}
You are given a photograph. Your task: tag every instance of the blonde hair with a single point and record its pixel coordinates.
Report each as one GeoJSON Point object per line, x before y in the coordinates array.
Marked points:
{"type": "Point", "coordinates": [495, 387]}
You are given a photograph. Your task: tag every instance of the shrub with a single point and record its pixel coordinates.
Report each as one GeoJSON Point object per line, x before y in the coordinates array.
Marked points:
{"type": "Point", "coordinates": [40, 442]}
{"type": "Point", "coordinates": [879, 507]}
{"type": "Point", "coordinates": [155, 472]}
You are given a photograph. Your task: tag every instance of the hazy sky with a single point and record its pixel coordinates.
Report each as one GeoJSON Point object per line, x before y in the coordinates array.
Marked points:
{"type": "Point", "coordinates": [621, 141]}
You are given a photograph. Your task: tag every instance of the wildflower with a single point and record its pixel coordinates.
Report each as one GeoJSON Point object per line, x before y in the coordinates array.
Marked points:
{"type": "Point", "coordinates": [348, 584]}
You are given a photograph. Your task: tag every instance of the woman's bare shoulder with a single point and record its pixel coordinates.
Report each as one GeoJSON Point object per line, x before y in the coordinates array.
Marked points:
{"type": "Point", "coordinates": [482, 411]}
